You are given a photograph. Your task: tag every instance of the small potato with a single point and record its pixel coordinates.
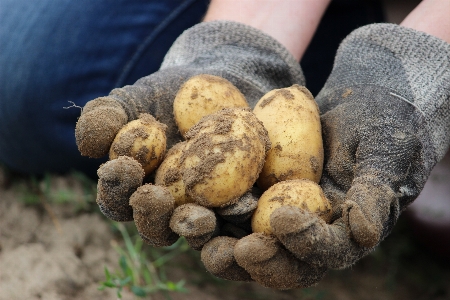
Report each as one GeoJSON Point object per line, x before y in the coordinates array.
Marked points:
{"type": "Point", "coordinates": [223, 156]}
{"type": "Point", "coordinates": [143, 139]}
{"type": "Point", "coordinates": [302, 193]}
{"type": "Point", "coordinates": [203, 95]}
{"type": "Point", "coordinates": [292, 119]}
{"type": "Point", "coordinates": [169, 175]}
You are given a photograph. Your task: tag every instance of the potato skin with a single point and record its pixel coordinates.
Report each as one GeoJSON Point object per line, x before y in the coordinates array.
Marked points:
{"type": "Point", "coordinates": [143, 139]}
{"type": "Point", "coordinates": [203, 95]}
{"type": "Point", "coordinates": [169, 175]}
{"type": "Point", "coordinates": [224, 154]}
{"type": "Point", "coordinates": [302, 193]}
{"type": "Point", "coordinates": [292, 119]}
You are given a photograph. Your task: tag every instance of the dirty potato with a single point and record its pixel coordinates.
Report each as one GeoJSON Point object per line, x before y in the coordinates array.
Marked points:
{"type": "Point", "coordinates": [291, 117]}
{"type": "Point", "coordinates": [302, 193]}
{"type": "Point", "coordinates": [203, 95]}
{"type": "Point", "coordinates": [168, 174]}
{"type": "Point", "coordinates": [143, 139]}
{"type": "Point", "coordinates": [223, 156]}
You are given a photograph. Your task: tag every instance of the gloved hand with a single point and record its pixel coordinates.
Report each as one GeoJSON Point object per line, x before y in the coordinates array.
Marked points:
{"type": "Point", "coordinates": [386, 122]}
{"type": "Point", "coordinates": [253, 61]}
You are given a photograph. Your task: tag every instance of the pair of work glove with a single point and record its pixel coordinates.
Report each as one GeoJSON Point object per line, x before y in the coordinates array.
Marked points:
{"type": "Point", "coordinates": [385, 114]}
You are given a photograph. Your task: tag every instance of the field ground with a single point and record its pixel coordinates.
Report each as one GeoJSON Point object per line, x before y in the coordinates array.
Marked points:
{"type": "Point", "coordinates": [54, 244]}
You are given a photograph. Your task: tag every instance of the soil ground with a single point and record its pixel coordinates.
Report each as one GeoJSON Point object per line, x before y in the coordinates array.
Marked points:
{"type": "Point", "coordinates": [54, 244]}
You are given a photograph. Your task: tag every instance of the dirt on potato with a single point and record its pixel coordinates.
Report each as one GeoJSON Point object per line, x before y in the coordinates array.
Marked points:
{"type": "Point", "coordinates": [203, 95]}
{"type": "Point", "coordinates": [173, 173]}
{"type": "Point", "coordinates": [202, 144]}
{"type": "Point", "coordinates": [142, 139]}
{"type": "Point", "coordinates": [169, 174]}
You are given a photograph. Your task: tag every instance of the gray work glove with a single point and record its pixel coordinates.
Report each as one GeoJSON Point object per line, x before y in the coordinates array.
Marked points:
{"type": "Point", "coordinates": [254, 62]}
{"type": "Point", "coordinates": [386, 122]}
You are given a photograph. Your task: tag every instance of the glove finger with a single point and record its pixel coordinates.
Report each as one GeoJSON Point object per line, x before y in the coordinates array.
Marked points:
{"type": "Point", "coordinates": [118, 179]}
{"type": "Point", "coordinates": [102, 118]}
{"type": "Point", "coordinates": [340, 146]}
{"type": "Point", "coordinates": [153, 206]}
{"type": "Point", "coordinates": [218, 258]}
{"type": "Point", "coordinates": [272, 266]}
{"type": "Point", "coordinates": [98, 125]}
{"type": "Point", "coordinates": [312, 240]}
{"type": "Point", "coordinates": [236, 231]}
{"type": "Point", "coordinates": [374, 140]}
{"type": "Point", "coordinates": [387, 166]}
{"type": "Point", "coordinates": [240, 211]}
{"type": "Point", "coordinates": [347, 239]}
{"type": "Point", "coordinates": [196, 223]}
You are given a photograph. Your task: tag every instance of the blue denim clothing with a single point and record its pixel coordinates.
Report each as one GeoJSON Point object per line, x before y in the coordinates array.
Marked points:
{"type": "Point", "coordinates": [53, 52]}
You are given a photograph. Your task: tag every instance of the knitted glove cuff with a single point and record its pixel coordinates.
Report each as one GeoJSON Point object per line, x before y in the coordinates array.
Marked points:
{"type": "Point", "coordinates": [413, 66]}
{"type": "Point", "coordinates": [238, 51]}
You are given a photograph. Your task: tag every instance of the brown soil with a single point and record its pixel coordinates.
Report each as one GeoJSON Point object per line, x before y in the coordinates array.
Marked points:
{"type": "Point", "coordinates": [53, 251]}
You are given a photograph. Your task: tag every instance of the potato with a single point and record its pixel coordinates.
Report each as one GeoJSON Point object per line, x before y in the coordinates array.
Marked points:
{"type": "Point", "coordinates": [302, 193]}
{"type": "Point", "coordinates": [143, 139]}
{"type": "Point", "coordinates": [223, 156]}
{"type": "Point", "coordinates": [203, 95]}
{"type": "Point", "coordinates": [291, 117]}
{"type": "Point", "coordinates": [169, 175]}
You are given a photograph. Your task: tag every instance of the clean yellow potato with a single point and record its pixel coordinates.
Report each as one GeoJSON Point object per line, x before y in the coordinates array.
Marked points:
{"type": "Point", "coordinates": [203, 95]}
{"type": "Point", "coordinates": [223, 156]}
{"type": "Point", "coordinates": [168, 174]}
{"type": "Point", "coordinates": [291, 117]}
{"type": "Point", "coordinates": [143, 139]}
{"type": "Point", "coordinates": [301, 193]}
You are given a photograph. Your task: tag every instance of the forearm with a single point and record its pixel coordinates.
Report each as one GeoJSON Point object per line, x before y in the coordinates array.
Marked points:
{"type": "Point", "coordinates": [432, 17]}
{"type": "Point", "coordinates": [292, 23]}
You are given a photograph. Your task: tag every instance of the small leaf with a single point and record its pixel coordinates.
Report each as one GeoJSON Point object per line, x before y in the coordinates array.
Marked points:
{"type": "Point", "coordinates": [109, 284]}
{"type": "Point", "coordinates": [107, 274]}
{"type": "Point", "coordinates": [180, 285]}
{"type": "Point", "coordinates": [138, 291]}
{"type": "Point", "coordinates": [123, 264]}
{"type": "Point", "coordinates": [170, 285]}
{"type": "Point", "coordinates": [124, 281]}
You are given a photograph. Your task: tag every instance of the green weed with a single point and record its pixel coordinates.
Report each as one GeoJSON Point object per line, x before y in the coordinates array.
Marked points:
{"type": "Point", "coordinates": [75, 189]}
{"type": "Point", "coordinates": [142, 271]}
